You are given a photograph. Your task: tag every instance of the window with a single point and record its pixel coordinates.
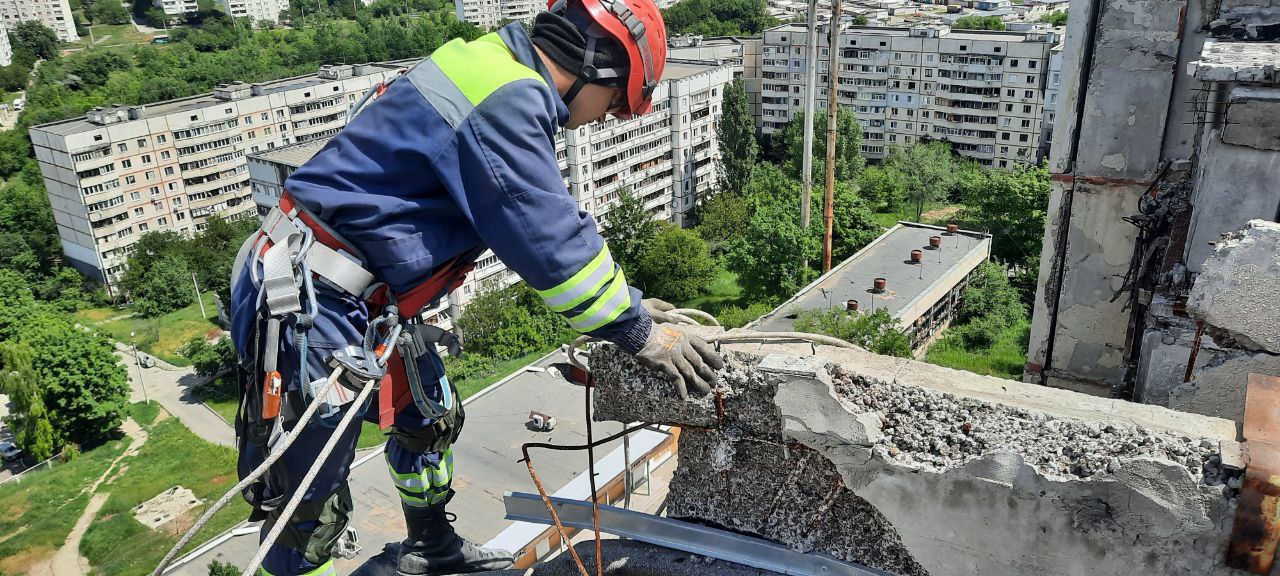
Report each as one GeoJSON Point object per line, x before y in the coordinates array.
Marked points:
{"type": "Point", "coordinates": [1013, 63]}
{"type": "Point", "coordinates": [146, 158]}
{"type": "Point", "coordinates": [138, 211]}
{"type": "Point", "coordinates": [1031, 80]}
{"type": "Point", "coordinates": [154, 190]}
{"type": "Point", "coordinates": [151, 175]}
{"type": "Point", "coordinates": [142, 142]}
{"type": "Point", "coordinates": [1031, 64]}
{"type": "Point", "coordinates": [162, 139]}
{"type": "Point", "coordinates": [1022, 137]}
{"type": "Point", "coordinates": [130, 180]}
{"type": "Point", "coordinates": [168, 170]}
{"type": "Point", "coordinates": [172, 186]}
{"type": "Point", "coordinates": [279, 113]}
{"type": "Point", "coordinates": [135, 196]}
{"type": "Point", "coordinates": [163, 221]}
{"type": "Point", "coordinates": [181, 216]}
{"type": "Point", "coordinates": [126, 163]}
{"type": "Point", "coordinates": [143, 227]}
{"type": "Point", "coordinates": [1004, 135]}
{"type": "Point", "coordinates": [248, 119]}
{"type": "Point", "coordinates": [253, 134]}
{"type": "Point", "coordinates": [283, 128]}
{"type": "Point", "coordinates": [1009, 93]}
{"type": "Point", "coordinates": [1026, 123]}
{"type": "Point", "coordinates": [122, 147]}
{"type": "Point", "coordinates": [263, 116]}
{"type": "Point", "coordinates": [1004, 149]}
{"type": "Point", "coordinates": [267, 131]}
{"type": "Point", "coordinates": [1008, 107]}
{"type": "Point", "coordinates": [1026, 109]}
{"type": "Point", "coordinates": [194, 117]}
{"type": "Point", "coordinates": [1028, 94]}
{"type": "Point", "coordinates": [177, 201]}
{"type": "Point", "coordinates": [165, 155]}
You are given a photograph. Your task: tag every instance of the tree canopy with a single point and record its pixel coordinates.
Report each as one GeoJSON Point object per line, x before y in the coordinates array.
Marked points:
{"type": "Point", "coordinates": [849, 161]}
{"type": "Point", "coordinates": [738, 146]}
{"type": "Point", "coordinates": [927, 169]}
{"type": "Point", "coordinates": [34, 37]}
{"type": "Point", "coordinates": [676, 264]}
{"type": "Point", "coordinates": [979, 23]}
{"type": "Point", "coordinates": [1057, 18]}
{"type": "Point", "coordinates": [628, 228]}
{"type": "Point", "coordinates": [718, 17]}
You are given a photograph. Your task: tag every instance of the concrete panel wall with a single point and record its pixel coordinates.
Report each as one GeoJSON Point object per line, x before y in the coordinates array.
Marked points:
{"type": "Point", "coordinates": [1234, 184]}
{"type": "Point", "coordinates": [917, 469]}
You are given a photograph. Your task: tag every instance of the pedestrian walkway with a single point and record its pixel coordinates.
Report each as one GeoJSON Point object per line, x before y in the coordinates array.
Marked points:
{"type": "Point", "coordinates": [172, 387]}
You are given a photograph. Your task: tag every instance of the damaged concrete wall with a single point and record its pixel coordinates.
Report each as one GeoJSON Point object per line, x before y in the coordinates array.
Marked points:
{"type": "Point", "coordinates": [918, 469]}
{"type": "Point", "coordinates": [1124, 79]}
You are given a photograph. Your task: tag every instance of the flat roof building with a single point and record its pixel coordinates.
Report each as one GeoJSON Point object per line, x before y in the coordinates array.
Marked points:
{"type": "Point", "coordinates": [982, 91]}
{"type": "Point", "coordinates": [54, 14]}
{"type": "Point", "coordinates": [119, 172]}
{"type": "Point", "coordinates": [921, 295]}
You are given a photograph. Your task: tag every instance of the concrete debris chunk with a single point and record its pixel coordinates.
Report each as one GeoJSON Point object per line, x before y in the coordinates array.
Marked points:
{"type": "Point", "coordinates": [1237, 291]}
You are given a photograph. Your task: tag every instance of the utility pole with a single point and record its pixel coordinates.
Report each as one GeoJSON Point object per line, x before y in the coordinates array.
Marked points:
{"type": "Point", "coordinates": [198, 298]}
{"type": "Point", "coordinates": [138, 361]}
{"type": "Point", "coordinates": [810, 87]}
{"type": "Point", "coordinates": [833, 74]}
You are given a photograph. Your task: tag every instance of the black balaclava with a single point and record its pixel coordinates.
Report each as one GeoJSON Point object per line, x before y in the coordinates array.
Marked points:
{"type": "Point", "coordinates": [561, 38]}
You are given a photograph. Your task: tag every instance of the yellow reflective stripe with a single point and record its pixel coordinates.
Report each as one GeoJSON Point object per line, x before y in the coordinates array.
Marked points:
{"type": "Point", "coordinates": [582, 285]}
{"type": "Point", "coordinates": [606, 308]}
{"type": "Point", "coordinates": [430, 477]}
{"type": "Point", "coordinates": [325, 569]}
{"type": "Point", "coordinates": [481, 67]}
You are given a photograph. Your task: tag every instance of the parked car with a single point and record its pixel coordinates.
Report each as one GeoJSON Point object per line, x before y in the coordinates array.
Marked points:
{"type": "Point", "coordinates": [9, 451]}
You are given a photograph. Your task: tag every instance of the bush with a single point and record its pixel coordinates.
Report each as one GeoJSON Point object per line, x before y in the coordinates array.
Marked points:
{"type": "Point", "coordinates": [676, 264]}
{"type": "Point", "coordinates": [217, 568]}
{"type": "Point", "coordinates": [737, 317]}
{"type": "Point", "coordinates": [989, 294]}
{"type": "Point", "coordinates": [877, 331]}
{"type": "Point", "coordinates": [208, 359]}
{"type": "Point", "coordinates": [70, 452]}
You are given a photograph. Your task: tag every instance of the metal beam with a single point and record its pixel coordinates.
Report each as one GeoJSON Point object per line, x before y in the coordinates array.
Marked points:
{"type": "Point", "coordinates": [683, 536]}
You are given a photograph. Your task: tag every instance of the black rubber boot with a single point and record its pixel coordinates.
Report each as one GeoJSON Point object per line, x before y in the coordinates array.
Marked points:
{"type": "Point", "coordinates": [433, 548]}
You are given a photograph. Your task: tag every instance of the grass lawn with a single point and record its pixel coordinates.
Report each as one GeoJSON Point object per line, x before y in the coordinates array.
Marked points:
{"type": "Point", "coordinates": [723, 292]}
{"type": "Point", "coordinates": [161, 336]}
{"type": "Point", "coordinates": [1006, 358]}
{"type": "Point", "coordinates": [116, 543]}
{"type": "Point", "coordinates": [113, 35]}
{"type": "Point", "coordinates": [37, 513]}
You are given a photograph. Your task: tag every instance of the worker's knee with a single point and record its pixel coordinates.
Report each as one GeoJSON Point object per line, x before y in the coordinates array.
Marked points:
{"type": "Point", "coordinates": [316, 527]}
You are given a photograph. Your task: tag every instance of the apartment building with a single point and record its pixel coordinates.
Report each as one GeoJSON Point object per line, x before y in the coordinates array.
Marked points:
{"type": "Point", "coordinates": [981, 91]}
{"type": "Point", "coordinates": [667, 158]}
{"type": "Point", "coordinates": [1052, 84]}
{"type": "Point", "coordinates": [119, 172]}
{"type": "Point", "coordinates": [259, 10]}
{"type": "Point", "coordinates": [54, 14]}
{"type": "Point", "coordinates": [491, 13]}
{"type": "Point", "coordinates": [179, 7]}
{"type": "Point", "coordinates": [6, 51]}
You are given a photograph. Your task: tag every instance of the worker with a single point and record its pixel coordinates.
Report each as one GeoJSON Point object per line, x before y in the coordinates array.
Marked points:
{"type": "Point", "coordinates": [456, 156]}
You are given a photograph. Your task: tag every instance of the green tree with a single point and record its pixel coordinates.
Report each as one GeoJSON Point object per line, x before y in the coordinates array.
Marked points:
{"type": "Point", "coordinates": [1012, 204]}
{"type": "Point", "coordinates": [720, 219]}
{"type": "Point", "coordinates": [849, 161]}
{"type": "Point", "coordinates": [770, 248]}
{"type": "Point", "coordinates": [28, 234]}
{"type": "Point", "coordinates": [676, 265]}
{"type": "Point", "coordinates": [84, 387]}
{"type": "Point", "coordinates": [628, 228]}
{"type": "Point", "coordinates": [511, 322]}
{"type": "Point", "coordinates": [1057, 18]}
{"type": "Point", "coordinates": [883, 186]}
{"type": "Point", "coordinates": [738, 146]}
{"type": "Point", "coordinates": [877, 332]}
{"type": "Point", "coordinates": [217, 568]}
{"type": "Point", "coordinates": [161, 287]}
{"type": "Point", "coordinates": [29, 419]}
{"type": "Point", "coordinates": [209, 359]}
{"type": "Point", "coordinates": [979, 23]}
{"type": "Point", "coordinates": [853, 225]}
{"type": "Point", "coordinates": [95, 65]}
{"type": "Point", "coordinates": [34, 37]}
{"type": "Point", "coordinates": [989, 306]}
{"type": "Point", "coordinates": [859, 20]}
{"type": "Point", "coordinates": [718, 17]}
{"type": "Point", "coordinates": [928, 170]}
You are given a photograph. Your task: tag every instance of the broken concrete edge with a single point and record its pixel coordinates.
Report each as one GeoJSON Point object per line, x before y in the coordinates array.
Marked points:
{"type": "Point", "coordinates": [1236, 291]}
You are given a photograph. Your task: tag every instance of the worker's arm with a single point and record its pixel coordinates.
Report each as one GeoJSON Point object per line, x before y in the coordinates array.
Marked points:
{"type": "Point", "coordinates": [521, 209]}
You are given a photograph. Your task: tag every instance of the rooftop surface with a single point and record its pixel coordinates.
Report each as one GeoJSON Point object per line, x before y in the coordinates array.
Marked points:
{"type": "Point", "coordinates": [486, 464]}
{"type": "Point", "coordinates": [904, 31]}
{"type": "Point", "coordinates": [157, 109]}
{"type": "Point", "coordinates": [293, 155]}
{"type": "Point", "coordinates": [888, 257]}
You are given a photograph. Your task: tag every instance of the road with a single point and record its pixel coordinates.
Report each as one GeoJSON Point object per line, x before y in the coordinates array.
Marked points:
{"type": "Point", "coordinates": [172, 387]}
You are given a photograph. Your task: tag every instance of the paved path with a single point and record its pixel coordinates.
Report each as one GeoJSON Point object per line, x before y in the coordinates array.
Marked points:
{"type": "Point", "coordinates": [67, 560]}
{"type": "Point", "coordinates": [172, 387]}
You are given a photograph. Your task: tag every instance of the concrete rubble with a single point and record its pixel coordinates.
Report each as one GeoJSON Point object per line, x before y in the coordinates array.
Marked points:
{"type": "Point", "coordinates": [917, 469]}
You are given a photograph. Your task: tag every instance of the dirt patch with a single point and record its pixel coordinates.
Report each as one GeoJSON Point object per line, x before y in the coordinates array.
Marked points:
{"type": "Point", "coordinates": [20, 530]}
{"type": "Point", "coordinates": [161, 416]}
{"type": "Point", "coordinates": [16, 510]}
{"type": "Point", "coordinates": [24, 561]}
{"type": "Point", "coordinates": [219, 479]}
{"type": "Point", "coordinates": [179, 526]}
{"type": "Point", "coordinates": [939, 213]}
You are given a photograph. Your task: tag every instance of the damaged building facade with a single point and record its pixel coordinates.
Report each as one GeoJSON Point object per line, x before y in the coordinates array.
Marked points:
{"type": "Point", "coordinates": [1158, 271]}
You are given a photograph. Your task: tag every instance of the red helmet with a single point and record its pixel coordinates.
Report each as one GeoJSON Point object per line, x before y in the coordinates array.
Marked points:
{"type": "Point", "coordinates": [636, 25]}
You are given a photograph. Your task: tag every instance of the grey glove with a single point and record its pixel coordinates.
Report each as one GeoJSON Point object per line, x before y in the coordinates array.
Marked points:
{"type": "Point", "coordinates": [657, 309]}
{"type": "Point", "coordinates": [684, 358]}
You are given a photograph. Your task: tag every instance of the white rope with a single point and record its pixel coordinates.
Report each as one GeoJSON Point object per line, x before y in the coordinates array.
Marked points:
{"type": "Point", "coordinates": [738, 336]}
{"type": "Point", "coordinates": [696, 312]}
{"type": "Point", "coordinates": [283, 518]}
{"type": "Point", "coordinates": [275, 454]}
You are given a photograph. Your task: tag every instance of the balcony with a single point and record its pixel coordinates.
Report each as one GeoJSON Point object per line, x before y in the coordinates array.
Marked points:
{"type": "Point", "coordinates": [111, 212]}
{"type": "Point", "coordinates": [220, 148]}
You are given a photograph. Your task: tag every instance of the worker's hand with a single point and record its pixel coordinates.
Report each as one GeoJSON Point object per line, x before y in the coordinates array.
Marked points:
{"type": "Point", "coordinates": [684, 358]}
{"type": "Point", "coordinates": [658, 309]}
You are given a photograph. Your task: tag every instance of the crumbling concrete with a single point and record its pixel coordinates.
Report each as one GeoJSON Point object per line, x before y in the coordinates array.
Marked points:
{"type": "Point", "coordinates": [918, 469]}
{"type": "Point", "coordinates": [1234, 184]}
{"type": "Point", "coordinates": [1237, 291]}
{"type": "Point", "coordinates": [165, 506]}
